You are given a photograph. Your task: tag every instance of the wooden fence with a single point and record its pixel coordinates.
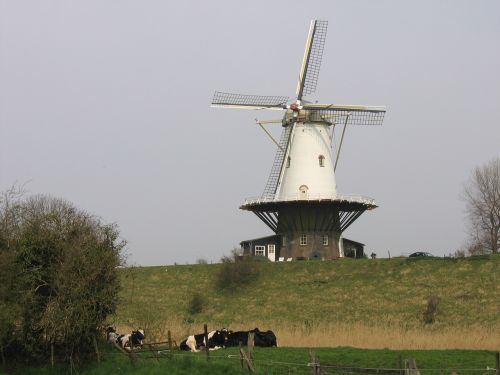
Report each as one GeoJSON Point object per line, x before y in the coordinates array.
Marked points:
{"type": "Point", "coordinates": [246, 358]}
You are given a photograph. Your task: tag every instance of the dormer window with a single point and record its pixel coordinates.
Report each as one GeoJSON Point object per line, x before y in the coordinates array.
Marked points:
{"type": "Point", "coordinates": [288, 161]}
{"type": "Point", "coordinates": [321, 159]}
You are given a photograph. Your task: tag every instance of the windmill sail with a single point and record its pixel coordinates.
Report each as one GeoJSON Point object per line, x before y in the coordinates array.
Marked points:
{"type": "Point", "coordinates": [313, 55]}
{"type": "Point", "coordinates": [354, 114]}
{"type": "Point", "coordinates": [230, 100]}
{"type": "Point", "coordinates": [308, 80]}
{"type": "Point", "coordinates": [273, 179]}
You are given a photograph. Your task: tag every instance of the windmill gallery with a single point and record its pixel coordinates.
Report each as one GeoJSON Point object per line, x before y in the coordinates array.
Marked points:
{"type": "Point", "coordinates": [300, 202]}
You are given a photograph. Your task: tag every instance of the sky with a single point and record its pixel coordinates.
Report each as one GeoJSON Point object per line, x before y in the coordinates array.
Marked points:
{"type": "Point", "coordinates": [105, 103]}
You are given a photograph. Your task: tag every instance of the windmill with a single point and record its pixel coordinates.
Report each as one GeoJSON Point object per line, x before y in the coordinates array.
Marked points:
{"type": "Point", "coordinates": [300, 202]}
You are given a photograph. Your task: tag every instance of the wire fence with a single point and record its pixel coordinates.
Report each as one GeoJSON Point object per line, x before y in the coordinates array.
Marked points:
{"type": "Point", "coordinates": [244, 360]}
{"type": "Point", "coordinates": [273, 367]}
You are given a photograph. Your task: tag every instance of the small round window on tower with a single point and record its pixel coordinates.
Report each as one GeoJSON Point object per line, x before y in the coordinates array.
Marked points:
{"type": "Point", "coordinates": [303, 189]}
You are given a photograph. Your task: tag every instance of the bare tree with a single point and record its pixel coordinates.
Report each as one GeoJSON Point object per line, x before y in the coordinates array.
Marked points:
{"type": "Point", "coordinates": [482, 196]}
{"type": "Point", "coordinates": [9, 204]}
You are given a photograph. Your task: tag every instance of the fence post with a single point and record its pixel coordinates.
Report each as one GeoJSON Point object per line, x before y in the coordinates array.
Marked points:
{"type": "Point", "coordinates": [130, 355]}
{"type": "Point", "coordinates": [411, 367]}
{"type": "Point", "coordinates": [96, 347]}
{"type": "Point", "coordinates": [247, 360]}
{"type": "Point", "coordinates": [241, 354]}
{"type": "Point", "coordinates": [250, 345]}
{"type": "Point", "coordinates": [152, 349]}
{"type": "Point", "coordinates": [52, 354]}
{"type": "Point", "coordinates": [316, 370]}
{"type": "Point", "coordinates": [497, 360]}
{"type": "Point", "coordinates": [205, 330]}
{"type": "Point", "coordinates": [2, 355]}
{"type": "Point", "coordinates": [170, 354]}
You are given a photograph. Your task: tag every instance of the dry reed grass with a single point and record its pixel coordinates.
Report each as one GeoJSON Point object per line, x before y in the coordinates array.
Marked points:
{"type": "Point", "coordinates": [355, 335]}
{"type": "Point", "coordinates": [369, 337]}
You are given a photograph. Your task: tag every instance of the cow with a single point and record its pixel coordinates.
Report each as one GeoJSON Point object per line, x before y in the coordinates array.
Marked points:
{"type": "Point", "coordinates": [111, 335]}
{"type": "Point", "coordinates": [265, 339]}
{"type": "Point", "coordinates": [216, 340]}
{"type": "Point", "coordinates": [234, 338]}
{"type": "Point", "coordinates": [132, 340]}
{"type": "Point", "coordinates": [262, 339]}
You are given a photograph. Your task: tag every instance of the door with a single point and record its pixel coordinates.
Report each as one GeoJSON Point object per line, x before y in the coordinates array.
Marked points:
{"type": "Point", "coordinates": [271, 252]}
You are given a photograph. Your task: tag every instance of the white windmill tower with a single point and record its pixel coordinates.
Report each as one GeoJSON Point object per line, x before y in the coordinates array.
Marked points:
{"type": "Point", "coordinates": [300, 202]}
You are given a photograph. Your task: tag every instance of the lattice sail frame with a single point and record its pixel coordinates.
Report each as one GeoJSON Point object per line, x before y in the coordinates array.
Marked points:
{"type": "Point", "coordinates": [226, 99]}
{"type": "Point", "coordinates": [279, 158]}
{"type": "Point", "coordinates": [339, 117]}
{"type": "Point", "coordinates": [313, 56]}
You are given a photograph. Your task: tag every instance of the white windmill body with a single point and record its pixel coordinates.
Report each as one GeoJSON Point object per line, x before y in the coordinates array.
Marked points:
{"type": "Point", "coordinates": [308, 171]}
{"type": "Point", "coordinates": [300, 202]}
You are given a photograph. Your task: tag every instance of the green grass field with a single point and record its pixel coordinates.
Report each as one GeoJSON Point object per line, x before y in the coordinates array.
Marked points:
{"type": "Point", "coordinates": [284, 361]}
{"type": "Point", "coordinates": [364, 303]}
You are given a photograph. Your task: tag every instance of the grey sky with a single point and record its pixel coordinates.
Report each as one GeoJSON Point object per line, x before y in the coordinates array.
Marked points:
{"type": "Point", "coordinates": [106, 104]}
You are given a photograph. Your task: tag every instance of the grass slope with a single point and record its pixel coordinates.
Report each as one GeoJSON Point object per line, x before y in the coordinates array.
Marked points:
{"type": "Point", "coordinates": [340, 300]}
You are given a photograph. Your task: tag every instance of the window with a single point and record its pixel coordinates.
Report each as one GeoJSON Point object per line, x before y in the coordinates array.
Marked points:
{"type": "Point", "coordinates": [303, 239]}
{"type": "Point", "coordinates": [325, 240]}
{"type": "Point", "coordinates": [288, 161]}
{"type": "Point", "coordinates": [260, 250]}
{"type": "Point", "coordinates": [270, 249]}
{"type": "Point", "coordinates": [321, 159]}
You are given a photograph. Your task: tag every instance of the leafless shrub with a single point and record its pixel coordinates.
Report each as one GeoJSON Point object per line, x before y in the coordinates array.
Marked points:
{"type": "Point", "coordinates": [237, 272]}
{"type": "Point", "coordinates": [431, 310]}
{"type": "Point", "coordinates": [196, 304]}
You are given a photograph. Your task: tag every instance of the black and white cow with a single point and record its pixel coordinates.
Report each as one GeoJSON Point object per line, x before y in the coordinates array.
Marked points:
{"type": "Point", "coordinates": [261, 339]}
{"type": "Point", "coordinates": [216, 340]}
{"type": "Point", "coordinates": [111, 335]}
{"type": "Point", "coordinates": [131, 340]}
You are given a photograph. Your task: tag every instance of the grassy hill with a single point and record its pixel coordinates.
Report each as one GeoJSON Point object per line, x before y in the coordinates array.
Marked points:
{"type": "Point", "coordinates": [363, 303]}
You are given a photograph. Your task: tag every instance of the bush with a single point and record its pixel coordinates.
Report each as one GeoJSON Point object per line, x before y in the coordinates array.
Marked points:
{"type": "Point", "coordinates": [66, 282]}
{"type": "Point", "coordinates": [431, 309]}
{"type": "Point", "coordinates": [196, 304]}
{"type": "Point", "coordinates": [237, 272]}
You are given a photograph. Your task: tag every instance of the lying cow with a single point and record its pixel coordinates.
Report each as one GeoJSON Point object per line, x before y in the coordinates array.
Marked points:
{"type": "Point", "coordinates": [234, 338]}
{"type": "Point", "coordinates": [111, 335]}
{"type": "Point", "coordinates": [216, 340]}
{"type": "Point", "coordinates": [262, 339]}
{"type": "Point", "coordinates": [131, 340]}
